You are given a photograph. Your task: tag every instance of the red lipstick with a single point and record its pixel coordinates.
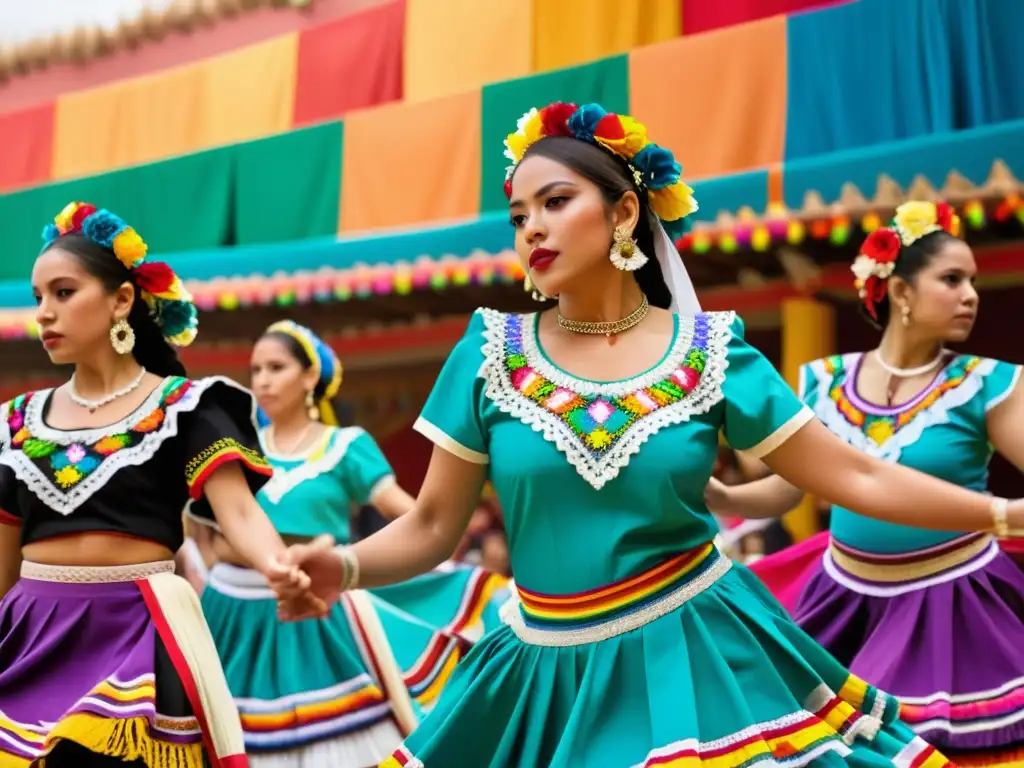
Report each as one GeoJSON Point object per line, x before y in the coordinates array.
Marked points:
{"type": "Point", "coordinates": [541, 258]}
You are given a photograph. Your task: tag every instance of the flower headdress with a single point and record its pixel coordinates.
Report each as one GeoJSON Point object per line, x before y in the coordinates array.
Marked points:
{"type": "Point", "coordinates": [325, 363]}
{"type": "Point", "coordinates": [655, 170]}
{"type": "Point", "coordinates": [170, 305]}
{"type": "Point", "coordinates": [876, 261]}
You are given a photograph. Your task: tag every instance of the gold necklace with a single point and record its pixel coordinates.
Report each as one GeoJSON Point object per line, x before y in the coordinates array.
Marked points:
{"type": "Point", "coordinates": [609, 327]}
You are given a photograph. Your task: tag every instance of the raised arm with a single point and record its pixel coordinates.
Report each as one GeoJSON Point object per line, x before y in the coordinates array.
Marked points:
{"type": "Point", "coordinates": [770, 496]}
{"type": "Point", "coordinates": [819, 462]}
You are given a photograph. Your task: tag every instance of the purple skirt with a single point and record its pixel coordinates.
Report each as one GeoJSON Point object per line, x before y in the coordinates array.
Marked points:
{"type": "Point", "coordinates": [941, 629]}
{"type": "Point", "coordinates": [111, 665]}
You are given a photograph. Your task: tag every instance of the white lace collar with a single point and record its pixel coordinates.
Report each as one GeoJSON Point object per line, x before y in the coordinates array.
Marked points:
{"type": "Point", "coordinates": [323, 458]}
{"type": "Point", "coordinates": [600, 426]}
{"type": "Point", "coordinates": [901, 427]}
{"type": "Point", "coordinates": [88, 458]}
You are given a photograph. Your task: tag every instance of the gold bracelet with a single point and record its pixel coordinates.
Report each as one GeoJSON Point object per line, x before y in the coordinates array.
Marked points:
{"type": "Point", "coordinates": [349, 567]}
{"type": "Point", "coordinates": [1000, 525]}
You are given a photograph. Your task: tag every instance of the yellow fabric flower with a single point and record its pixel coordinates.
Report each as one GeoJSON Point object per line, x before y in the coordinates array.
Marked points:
{"type": "Point", "coordinates": [916, 219]}
{"type": "Point", "coordinates": [63, 219]}
{"type": "Point", "coordinates": [633, 141]}
{"type": "Point", "coordinates": [184, 338]}
{"type": "Point", "coordinates": [528, 130]}
{"type": "Point", "coordinates": [672, 203]}
{"type": "Point", "coordinates": [67, 476]}
{"type": "Point", "coordinates": [129, 248]}
{"type": "Point", "coordinates": [599, 438]}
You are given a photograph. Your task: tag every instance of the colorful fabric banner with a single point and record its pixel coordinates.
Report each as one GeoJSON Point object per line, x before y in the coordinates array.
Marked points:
{"type": "Point", "coordinates": [287, 186]}
{"type": "Point", "coordinates": [238, 96]}
{"type": "Point", "coordinates": [605, 82]}
{"type": "Point", "coordinates": [412, 163]}
{"type": "Point", "coordinates": [26, 147]}
{"type": "Point", "coordinates": [571, 32]}
{"type": "Point", "coordinates": [702, 16]}
{"type": "Point", "coordinates": [178, 204]}
{"type": "Point", "coordinates": [352, 63]}
{"type": "Point", "coordinates": [726, 111]}
{"type": "Point", "coordinates": [459, 45]}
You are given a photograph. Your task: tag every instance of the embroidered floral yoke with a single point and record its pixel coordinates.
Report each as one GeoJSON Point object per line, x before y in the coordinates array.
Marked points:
{"type": "Point", "coordinates": [118, 659]}
{"type": "Point", "coordinates": [633, 642]}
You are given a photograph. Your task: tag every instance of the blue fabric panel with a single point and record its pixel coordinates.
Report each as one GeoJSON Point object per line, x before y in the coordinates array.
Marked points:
{"type": "Point", "coordinates": [730, 193]}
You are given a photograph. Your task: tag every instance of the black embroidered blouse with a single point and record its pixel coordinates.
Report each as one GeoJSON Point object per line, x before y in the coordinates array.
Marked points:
{"type": "Point", "coordinates": [135, 477]}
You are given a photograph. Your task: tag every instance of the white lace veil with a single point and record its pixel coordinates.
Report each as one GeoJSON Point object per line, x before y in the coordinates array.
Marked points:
{"type": "Point", "coordinates": [684, 297]}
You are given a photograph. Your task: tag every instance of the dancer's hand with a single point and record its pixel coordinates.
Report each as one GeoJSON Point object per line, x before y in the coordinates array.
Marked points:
{"type": "Point", "coordinates": [716, 497]}
{"type": "Point", "coordinates": [292, 586]}
{"type": "Point", "coordinates": [324, 568]}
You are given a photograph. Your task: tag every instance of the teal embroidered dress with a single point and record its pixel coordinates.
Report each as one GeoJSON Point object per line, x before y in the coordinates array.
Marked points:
{"type": "Point", "coordinates": [631, 641]}
{"type": "Point", "coordinates": [342, 690]}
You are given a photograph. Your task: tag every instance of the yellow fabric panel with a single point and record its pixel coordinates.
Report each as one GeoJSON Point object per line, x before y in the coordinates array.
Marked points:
{"type": "Point", "coordinates": [126, 123]}
{"type": "Point", "coordinates": [457, 45]}
{"type": "Point", "coordinates": [570, 32]}
{"type": "Point", "coordinates": [249, 93]}
{"type": "Point", "coordinates": [242, 95]}
{"type": "Point", "coordinates": [411, 163]}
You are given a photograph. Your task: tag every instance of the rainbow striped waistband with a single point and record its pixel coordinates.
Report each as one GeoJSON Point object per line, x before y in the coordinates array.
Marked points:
{"type": "Point", "coordinates": [885, 575]}
{"type": "Point", "coordinates": [598, 614]}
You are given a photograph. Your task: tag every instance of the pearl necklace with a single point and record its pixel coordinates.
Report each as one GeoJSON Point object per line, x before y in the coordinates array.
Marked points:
{"type": "Point", "coordinates": [906, 373]}
{"type": "Point", "coordinates": [607, 328]}
{"type": "Point", "coordinates": [94, 405]}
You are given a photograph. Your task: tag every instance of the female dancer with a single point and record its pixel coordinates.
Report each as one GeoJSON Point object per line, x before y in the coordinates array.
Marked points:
{"type": "Point", "coordinates": [634, 642]}
{"type": "Point", "coordinates": [934, 617]}
{"type": "Point", "coordinates": [339, 692]}
{"type": "Point", "coordinates": [104, 656]}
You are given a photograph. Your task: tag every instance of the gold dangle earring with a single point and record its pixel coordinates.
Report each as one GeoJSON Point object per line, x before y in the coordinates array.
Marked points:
{"type": "Point", "coordinates": [532, 290]}
{"type": "Point", "coordinates": [625, 253]}
{"type": "Point", "coordinates": [906, 316]}
{"type": "Point", "coordinates": [311, 409]}
{"type": "Point", "coordinates": [122, 337]}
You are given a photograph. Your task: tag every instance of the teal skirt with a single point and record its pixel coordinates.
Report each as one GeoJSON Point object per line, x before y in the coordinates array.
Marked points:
{"type": "Point", "coordinates": [690, 665]}
{"type": "Point", "coordinates": [362, 677]}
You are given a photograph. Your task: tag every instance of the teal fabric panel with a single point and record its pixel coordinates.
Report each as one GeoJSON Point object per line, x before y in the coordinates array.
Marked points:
{"type": "Point", "coordinates": [882, 70]}
{"type": "Point", "coordinates": [730, 193]}
{"type": "Point", "coordinates": [176, 204]}
{"type": "Point", "coordinates": [289, 186]}
{"type": "Point", "coordinates": [969, 152]}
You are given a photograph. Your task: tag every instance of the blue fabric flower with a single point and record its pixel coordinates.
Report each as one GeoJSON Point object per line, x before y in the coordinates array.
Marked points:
{"type": "Point", "coordinates": [102, 227]}
{"type": "Point", "coordinates": [658, 167]}
{"type": "Point", "coordinates": [585, 119]}
{"type": "Point", "coordinates": [50, 233]}
{"type": "Point", "coordinates": [174, 317]}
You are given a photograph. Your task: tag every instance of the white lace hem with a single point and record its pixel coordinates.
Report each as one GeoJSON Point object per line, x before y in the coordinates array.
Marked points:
{"type": "Point", "coordinates": [442, 440]}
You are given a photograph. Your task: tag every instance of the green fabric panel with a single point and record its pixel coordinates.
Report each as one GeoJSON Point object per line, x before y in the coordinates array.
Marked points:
{"type": "Point", "coordinates": [176, 205]}
{"type": "Point", "coordinates": [605, 82]}
{"type": "Point", "coordinates": [289, 186]}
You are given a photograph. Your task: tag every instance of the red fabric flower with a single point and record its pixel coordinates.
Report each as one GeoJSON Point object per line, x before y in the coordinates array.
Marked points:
{"type": "Point", "coordinates": [508, 187]}
{"type": "Point", "coordinates": [874, 292]}
{"type": "Point", "coordinates": [154, 277]}
{"type": "Point", "coordinates": [78, 219]}
{"type": "Point", "coordinates": [882, 245]}
{"type": "Point", "coordinates": [610, 127]}
{"type": "Point", "coordinates": [555, 118]}
{"type": "Point", "coordinates": [947, 218]}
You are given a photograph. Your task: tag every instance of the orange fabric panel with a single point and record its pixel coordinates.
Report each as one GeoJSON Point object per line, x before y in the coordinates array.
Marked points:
{"type": "Point", "coordinates": [26, 144]}
{"type": "Point", "coordinates": [127, 123]}
{"type": "Point", "coordinates": [726, 111]}
{"type": "Point", "coordinates": [411, 163]}
{"type": "Point", "coordinates": [457, 45]}
{"type": "Point", "coordinates": [570, 32]}
{"type": "Point", "coordinates": [249, 93]}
